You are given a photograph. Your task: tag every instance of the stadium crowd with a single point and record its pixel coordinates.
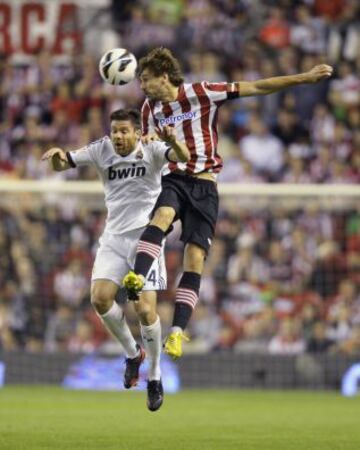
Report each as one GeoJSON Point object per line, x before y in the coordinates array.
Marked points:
{"type": "Point", "coordinates": [277, 280]}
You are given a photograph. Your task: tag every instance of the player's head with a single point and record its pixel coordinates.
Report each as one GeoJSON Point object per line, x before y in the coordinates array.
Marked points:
{"type": "Point", "coordinates": [125, 130]}
{"type": "Point", "coordinates": [158, 70]}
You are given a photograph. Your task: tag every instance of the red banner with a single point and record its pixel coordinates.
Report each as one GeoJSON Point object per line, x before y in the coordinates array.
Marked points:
{"type": "Point", "coordinates": [29, 27]}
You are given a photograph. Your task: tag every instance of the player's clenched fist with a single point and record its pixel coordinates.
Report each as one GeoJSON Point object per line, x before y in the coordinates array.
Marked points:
{"type": "Point", "coordinates": [320, 72]}
{"type": "Point", "coordinates": [57, 158]}
{"type": "Point", "coordinates": [55, 151]}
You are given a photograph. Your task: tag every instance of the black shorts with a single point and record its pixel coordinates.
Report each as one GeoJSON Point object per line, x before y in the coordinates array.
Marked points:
{"type": "Point", "coordinates": [196, 203]}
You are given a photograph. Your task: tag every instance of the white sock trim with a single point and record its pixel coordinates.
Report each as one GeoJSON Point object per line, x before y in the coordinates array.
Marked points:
{"type": "Point", "coordinates": [176, 330]}
{"type": "Point", "coordinates": [152, 326]}
{"type": "Point", "coordinates": [115, 309]}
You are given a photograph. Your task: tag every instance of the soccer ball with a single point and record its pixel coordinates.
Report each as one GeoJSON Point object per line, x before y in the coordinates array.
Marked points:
{"type": "Point", "coordinates": [118, 66]}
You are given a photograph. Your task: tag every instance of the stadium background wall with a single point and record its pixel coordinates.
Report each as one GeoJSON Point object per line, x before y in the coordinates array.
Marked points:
{"type": "Point", "coordinates": [216, 370]}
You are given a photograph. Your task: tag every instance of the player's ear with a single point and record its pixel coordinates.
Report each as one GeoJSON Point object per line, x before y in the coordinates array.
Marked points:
{"type": "Point", "coordinates": [138, 134]}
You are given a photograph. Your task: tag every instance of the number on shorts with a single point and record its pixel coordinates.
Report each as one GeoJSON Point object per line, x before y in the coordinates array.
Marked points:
{"type": "Point", "coordinates": [152, 277]}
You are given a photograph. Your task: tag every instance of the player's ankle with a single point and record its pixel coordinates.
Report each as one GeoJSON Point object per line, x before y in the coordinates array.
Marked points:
{"type": "Point", "coordinates": [176, 329]}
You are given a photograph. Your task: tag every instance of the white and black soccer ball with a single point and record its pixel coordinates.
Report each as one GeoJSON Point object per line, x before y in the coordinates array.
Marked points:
{"type": "Point", "coordinates": [118, 66]}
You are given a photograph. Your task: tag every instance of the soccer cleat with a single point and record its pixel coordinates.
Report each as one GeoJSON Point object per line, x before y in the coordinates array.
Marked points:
{"type": "Point", "coordinates": [131, 376]}
{"type": "Point", "coordinates": [173, 344]}
{"type": "Point", "coordinates": [133, 283]}
{"type": "Point", "coordinates": [155, 395]}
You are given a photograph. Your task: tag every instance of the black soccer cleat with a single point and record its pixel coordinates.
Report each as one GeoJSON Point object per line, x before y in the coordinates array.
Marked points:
{"type": "Point", "coordinates": [131, 376]}
{"type": "Point", "coordinates": [155, 395]}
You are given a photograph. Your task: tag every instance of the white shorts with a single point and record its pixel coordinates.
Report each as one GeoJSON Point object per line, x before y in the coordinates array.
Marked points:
{"type": "Point", "coordinates": [116, 256]}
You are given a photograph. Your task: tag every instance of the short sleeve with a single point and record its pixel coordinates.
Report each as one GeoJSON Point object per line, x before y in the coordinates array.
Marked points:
{"type": "Point", "coordinates": [90, 154]}
{"type": "Point", "coordinates": [220, 92]}
{"type": "Point", "coordinates": [147, 120]}
{"type": "Point", "coordinates": [80, 157]}
{"type": "Point", "coordinates": [159, 151]}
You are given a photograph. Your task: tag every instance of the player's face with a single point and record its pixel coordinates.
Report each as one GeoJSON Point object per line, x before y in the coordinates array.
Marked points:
{"type": "Point", "coordinates": [124, 136]}
{"type": "Point", "coordinates": [153, 86]}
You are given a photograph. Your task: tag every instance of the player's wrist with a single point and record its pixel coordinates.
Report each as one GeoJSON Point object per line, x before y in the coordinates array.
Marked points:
{"type": "Point", "coordinates": [308, 77]}
{"type": "Point", "coordinates": [173, 142]}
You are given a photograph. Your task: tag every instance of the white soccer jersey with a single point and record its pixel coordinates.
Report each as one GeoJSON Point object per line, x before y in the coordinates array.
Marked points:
{"type": "Point", "coordinates": [194, 116]}
{"type": "Point", "coordinates": [132, 183]}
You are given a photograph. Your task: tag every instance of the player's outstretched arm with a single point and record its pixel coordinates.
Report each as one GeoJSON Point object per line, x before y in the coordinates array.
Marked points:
{"type": "Point", "coordinates": [179, 151]}
{"type": "Point", "coordinates": [57, 159]}
{"type": "Point", "coordinates": [270, 85]}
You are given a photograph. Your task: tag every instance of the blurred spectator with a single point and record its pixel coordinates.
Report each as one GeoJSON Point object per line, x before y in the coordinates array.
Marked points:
{"type": "Point", "coordinates": [279, 266]}
{"type": "Point", "coordinates": [328, 270]}
{"type": "Point", "coordinates": [319, 342]}
{"type": "Point", "coordinates": [71, 285]}
{"type": "Point", "coordinates": [276, 31]}
{"type": "Point", "coordinates": [320, 168]}
{"type": "Point", "coordinates": [82, 341]}
{"type": "Point", "coordinates": [351, 345]}
{"type": "Point", "coordinates": [308, 32]}
{"type": "Point", "coordinates": [245, 266]}
{"type": "Point", "coordinates": [307, 96]}
{"type": "Point", "coordinates": [295, 172]}
{"type": "Point", "coordinates": [344, 89]}
{"type": "Point", "coordinates": [60, 328]}
{"type": "Point", "coordinates": [288, 340]}
{"type": "Point", "coordinates": [262, 149]}
{"type": "Point", "coordinates": [287, 127]}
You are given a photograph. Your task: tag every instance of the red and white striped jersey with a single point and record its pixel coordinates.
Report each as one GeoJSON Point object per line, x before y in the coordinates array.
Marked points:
{"type": "Point", "coordinates": [194, 116]}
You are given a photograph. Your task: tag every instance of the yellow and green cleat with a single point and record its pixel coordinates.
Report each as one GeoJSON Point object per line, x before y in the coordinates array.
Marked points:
{"type": "Point", "coordinates": [133, 283]}
{"type": "Point", "coordinates": [173, 344]}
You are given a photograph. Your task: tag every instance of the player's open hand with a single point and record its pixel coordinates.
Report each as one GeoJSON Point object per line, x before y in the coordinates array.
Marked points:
{"type": "Point", "coordinates": [167, 134]}
{"type": "Point", "coordinates": [54, 152]}
{"type": "Point", "coordinates": [320, 72]}
{"type": "Point", "coordinates": [148, 138]}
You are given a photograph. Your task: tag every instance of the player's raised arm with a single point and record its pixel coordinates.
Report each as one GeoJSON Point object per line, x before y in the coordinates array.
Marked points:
{"type": "Point", "coordinates": [179, 151]}
{"type": "Point", "coordinates": [57, 159]}
{"type": "Point", "coordinates": [274, 84]}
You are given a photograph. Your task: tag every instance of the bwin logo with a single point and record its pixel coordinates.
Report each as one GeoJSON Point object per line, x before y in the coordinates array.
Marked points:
{"type": "Point", "coordinates": [173, 119]}
{"type": "Point", "coordinates": [127, 172]}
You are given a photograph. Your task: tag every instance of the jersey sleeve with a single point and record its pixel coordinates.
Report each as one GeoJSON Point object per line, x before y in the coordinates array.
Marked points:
{"type": "Point", "coordinates": [160, 153]}
{"type": "Point", "coordinates": [220, 92]}
{"type": "Point", "coordinates": [90, 154]}
{"type": "Point", "coordinates": [147, 120]}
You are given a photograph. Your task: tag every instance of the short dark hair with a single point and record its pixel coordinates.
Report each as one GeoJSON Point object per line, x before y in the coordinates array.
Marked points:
{"type": "Point", "coordinates": [160, 60]}
{"type": "Point", "coordinates": [127, 114]}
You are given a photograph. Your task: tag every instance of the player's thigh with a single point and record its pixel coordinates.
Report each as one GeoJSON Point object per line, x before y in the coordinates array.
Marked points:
{"type": "Point", "coordinates": [111, 259]}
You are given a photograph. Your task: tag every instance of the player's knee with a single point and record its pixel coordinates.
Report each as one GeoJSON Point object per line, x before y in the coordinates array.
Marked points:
{"type": "Point", "coordinates": [163, 217]}
{"type": "Point", "coordinates": [145, 312]}
{"type": "Point", "coordinates": [100, 299]}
